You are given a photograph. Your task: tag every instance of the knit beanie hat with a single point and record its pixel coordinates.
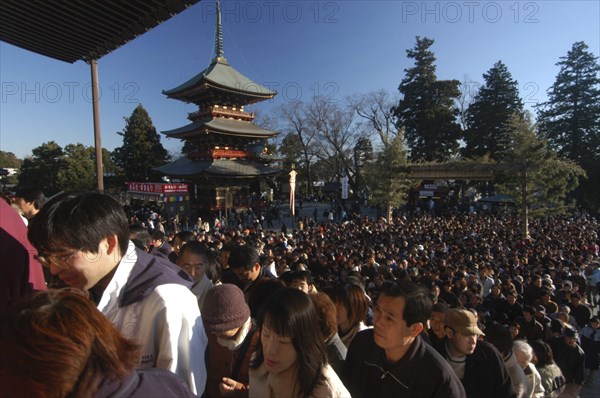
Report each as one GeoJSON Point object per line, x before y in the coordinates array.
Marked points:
{"type": "Point", "coordinates": [224, 309]}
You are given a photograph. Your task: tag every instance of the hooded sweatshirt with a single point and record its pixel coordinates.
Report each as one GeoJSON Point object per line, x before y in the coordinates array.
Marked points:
{"type": "Point", "coordinates": [149, 300]}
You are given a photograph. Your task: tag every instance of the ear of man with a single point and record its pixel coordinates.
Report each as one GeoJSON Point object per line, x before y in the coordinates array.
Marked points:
{"type": "Point", "coordinates": [416, 328]}
{"type": "Point", "coordinates": [112, 244]}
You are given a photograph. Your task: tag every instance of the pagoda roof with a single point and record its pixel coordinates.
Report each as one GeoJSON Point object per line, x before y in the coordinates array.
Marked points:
{"type": "Point", "coordinates": [233, 127]}
{"type": "Point", "coordinates": [221, 77]}
{"type": "Point", "coordinates": [233, 168]}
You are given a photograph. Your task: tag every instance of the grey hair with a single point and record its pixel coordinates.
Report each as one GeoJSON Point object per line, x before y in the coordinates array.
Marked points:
{"type": "Point", "coordinates": [522, 347]}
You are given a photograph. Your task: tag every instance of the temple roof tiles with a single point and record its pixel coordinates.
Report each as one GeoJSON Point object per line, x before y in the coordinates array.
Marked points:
{"type": "Point", "coordinates": [235, 168]}
{"type": "Point", "coordinates": [223, 77]}
{"type": "Point", "coordinates": [221, 126]}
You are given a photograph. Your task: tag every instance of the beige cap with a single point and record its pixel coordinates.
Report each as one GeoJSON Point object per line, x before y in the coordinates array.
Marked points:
{"type": "Point", "coordinates": [462, 322]}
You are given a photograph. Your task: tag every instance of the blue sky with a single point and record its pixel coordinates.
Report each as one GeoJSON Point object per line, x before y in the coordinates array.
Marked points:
{"type": "Point", "coordinates": [298, 48]}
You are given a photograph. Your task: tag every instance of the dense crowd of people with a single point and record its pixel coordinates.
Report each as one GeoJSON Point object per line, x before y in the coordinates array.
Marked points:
{"type": "Point", "coordinates": [455, 304]}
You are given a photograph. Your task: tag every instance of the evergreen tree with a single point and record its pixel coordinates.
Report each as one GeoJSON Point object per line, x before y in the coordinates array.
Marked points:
{"type": "Point", "coordinates": [291, 150]}
{"type": "Point", "coordinates": [535, 175]}
{"type": "Point", "coordinates": [489, 116]}
{"type": "Point", "coordinates": [387, 176]}
{"type": "Point", "coordinates": [9, 160]}
{"type": "Point", "coordinates": [42, 168]}
{"type": "Point", "coordinates": [141, 150]}
{"type": "Point", "coordinates": [426, 110]}
{"type": "Point", "coordinates": [79, 168]}
{"type": "Point", "coordinates": [570, 119]}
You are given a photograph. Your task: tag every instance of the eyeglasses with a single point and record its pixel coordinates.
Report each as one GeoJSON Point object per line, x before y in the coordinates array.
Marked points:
{"type": "Point", "coordinates": [189, 267]}
{"type": "Point", "coordinates": [63, 261]}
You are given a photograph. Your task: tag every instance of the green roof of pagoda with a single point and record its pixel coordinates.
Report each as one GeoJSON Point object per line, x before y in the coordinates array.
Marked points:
{"type": "Point", "coordinates": [233, 127]}
{"type": "Point", "coordinates": [222, 77]}
{"type": "Point", "coordinates": [233, 168]}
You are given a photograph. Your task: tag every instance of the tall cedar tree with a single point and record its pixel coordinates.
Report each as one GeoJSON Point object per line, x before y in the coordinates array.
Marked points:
{"type": "Point", "coordinates": [538, 178]}
{"type": "Point", "coordinates": [489, 116]}
{"type": "Point", "coordinates": [141, 150]}
{"type": "Point", "coordinates": [426, 110]}
{"type": "Point", "coordinates": [570, 119]}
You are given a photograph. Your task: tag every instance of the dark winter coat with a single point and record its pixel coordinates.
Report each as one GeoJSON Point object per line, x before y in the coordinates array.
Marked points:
{"type": "Point", "coordinates": [485, 373]}
{"type": "Point", "coordinates": [422, 372]}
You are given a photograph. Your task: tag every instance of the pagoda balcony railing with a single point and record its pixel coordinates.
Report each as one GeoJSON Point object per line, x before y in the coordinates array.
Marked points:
{"type": "Point", "coordinates": [219, 153]}
{"type": "Point", "coordinates": [222, 112]}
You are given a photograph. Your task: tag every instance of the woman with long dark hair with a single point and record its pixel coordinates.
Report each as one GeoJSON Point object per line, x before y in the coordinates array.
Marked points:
{"type": "Point", "coordinates": [291, 360]}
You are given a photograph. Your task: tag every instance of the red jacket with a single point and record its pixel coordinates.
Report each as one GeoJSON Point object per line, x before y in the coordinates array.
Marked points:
{"type": "Point", "coordinates": [20, 273]}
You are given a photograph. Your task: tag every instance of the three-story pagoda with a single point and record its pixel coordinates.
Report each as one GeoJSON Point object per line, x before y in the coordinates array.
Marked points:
{"type": "Point", "coordinates": [229, 159]}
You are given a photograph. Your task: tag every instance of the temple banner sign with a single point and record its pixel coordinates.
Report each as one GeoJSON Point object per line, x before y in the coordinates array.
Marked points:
{"type": "Point", "coordinates": [156, 188]}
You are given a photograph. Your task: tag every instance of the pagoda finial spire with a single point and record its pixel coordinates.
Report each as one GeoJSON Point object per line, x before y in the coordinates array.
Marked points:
{"type": "Point", "coordinates": [219, 34]}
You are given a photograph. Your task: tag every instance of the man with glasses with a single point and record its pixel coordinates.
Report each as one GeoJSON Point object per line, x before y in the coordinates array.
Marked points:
{"type": "Point", "coordinates": [83, 238]}
{"type": "Point", "coordinates": [437, 332]}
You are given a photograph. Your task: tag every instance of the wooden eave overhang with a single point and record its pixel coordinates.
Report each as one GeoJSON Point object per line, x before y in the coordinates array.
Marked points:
{"type": "Point", "coordinates": [81, 30]}
{"type": "Point", "coordinates": [227, 168]}
{"type": "Point", "coordinates": [237, 128]}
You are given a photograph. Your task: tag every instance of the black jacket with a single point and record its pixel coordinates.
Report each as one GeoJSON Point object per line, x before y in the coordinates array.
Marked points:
{"type": "Point", "coordinates": [569, 359]}
{"type": "Point", "coordinates": [485, 373]}
{"type": "Point", "coordinates": [422, 372]}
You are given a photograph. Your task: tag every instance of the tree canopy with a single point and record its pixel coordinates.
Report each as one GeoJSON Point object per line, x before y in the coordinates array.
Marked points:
{"type": "Point", "coordinates": [53, 169]}
{"type": "Point", "coordinates": [535, 175]}
{"type": "Point", "coordinates": [570, 119]}
{"type": "Point", "coordinates": [427, 109]}
{"type": "Point", "coordinates": [387, 176]}
{"type": "Point", "coordinates": [141, 150]}
{"type": "Point", "coordinates": [489, 116]}
{"type": "Point", "coordinates": [42, 168]}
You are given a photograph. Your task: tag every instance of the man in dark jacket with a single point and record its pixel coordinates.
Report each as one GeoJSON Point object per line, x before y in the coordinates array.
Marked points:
{"type": "Point", "coordinates": [391, 360]}
{"type": "Point", "coordinates": [530, 327]}
{"type": "Point", "coordinates": [160, 244]}
{"type": "Point", "coordinates": [570, 358]}
{"type": "Point", "coordinates": [245, 264]}
{"type": "Point", "coordinates": [477, 363]}
{"type": "Point", "coordinates": [437, 332]}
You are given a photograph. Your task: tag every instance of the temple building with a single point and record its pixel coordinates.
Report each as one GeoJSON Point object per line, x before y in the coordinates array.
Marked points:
{"type": "Point", "coordinates": [227, 158]}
